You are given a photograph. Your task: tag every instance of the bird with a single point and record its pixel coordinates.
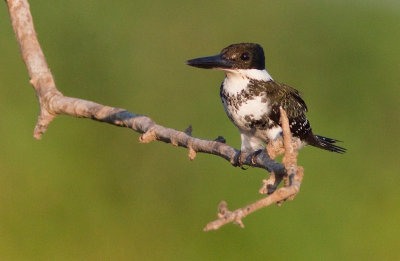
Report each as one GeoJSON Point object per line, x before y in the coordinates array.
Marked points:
{"type": "Point", "coordinates": [252, 100]}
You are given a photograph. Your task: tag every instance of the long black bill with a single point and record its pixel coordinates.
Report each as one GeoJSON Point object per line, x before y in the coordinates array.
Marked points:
{"type": "Point", "coordinates": [210, 62]}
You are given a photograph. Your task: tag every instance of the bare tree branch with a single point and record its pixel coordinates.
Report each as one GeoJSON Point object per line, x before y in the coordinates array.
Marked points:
{"type": "Point", "coordinates": [53, 102]}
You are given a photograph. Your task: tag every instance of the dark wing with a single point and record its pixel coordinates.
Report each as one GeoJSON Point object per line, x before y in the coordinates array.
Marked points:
{"type": "Point", "coordinates": [281, 95]}
{"type": "Point", "coordinates": [289, 98]}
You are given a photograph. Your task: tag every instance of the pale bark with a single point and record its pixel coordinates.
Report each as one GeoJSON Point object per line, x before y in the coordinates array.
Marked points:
{"type": "Point", "coordinates": [53, 102]}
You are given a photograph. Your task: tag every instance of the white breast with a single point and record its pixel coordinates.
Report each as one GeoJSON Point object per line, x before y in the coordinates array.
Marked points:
{"type": "Point", "coordinates": [255, 109]}
{"type": "Point", "coordinates": [235, 82]}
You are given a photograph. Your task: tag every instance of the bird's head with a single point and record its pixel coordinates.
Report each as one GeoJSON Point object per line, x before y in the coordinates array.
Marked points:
{"type": "Point", "coordinates": [235, 56]}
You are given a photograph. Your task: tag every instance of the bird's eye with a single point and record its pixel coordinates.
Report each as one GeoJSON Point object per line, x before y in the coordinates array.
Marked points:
{"type": "Point", "coordinates": [245, 56]}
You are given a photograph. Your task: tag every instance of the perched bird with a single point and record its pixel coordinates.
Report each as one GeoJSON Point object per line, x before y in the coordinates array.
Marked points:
{"type": "Point", "coordinates": [251, 99]}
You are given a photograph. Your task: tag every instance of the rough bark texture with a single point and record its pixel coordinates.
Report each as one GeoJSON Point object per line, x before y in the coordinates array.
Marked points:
{"type": "Point", "coordinates": [53, 102]}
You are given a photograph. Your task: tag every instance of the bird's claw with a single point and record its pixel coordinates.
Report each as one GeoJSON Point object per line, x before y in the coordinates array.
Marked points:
{"type": "Point", "coordinates": [240, 158]}
{"type": "Point", "coordinates": [254, 156]}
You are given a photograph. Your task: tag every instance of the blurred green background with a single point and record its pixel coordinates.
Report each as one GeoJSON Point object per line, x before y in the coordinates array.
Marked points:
{"type": "Point", "coordinates": [91, 191]}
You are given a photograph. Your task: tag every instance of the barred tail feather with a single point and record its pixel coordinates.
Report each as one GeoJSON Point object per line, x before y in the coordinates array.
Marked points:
{"type": "Point", "coordinates": [325, 143]}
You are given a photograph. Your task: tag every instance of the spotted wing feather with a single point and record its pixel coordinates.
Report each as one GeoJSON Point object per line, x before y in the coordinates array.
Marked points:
{"type": "Point", "coordinates": [281, 95]}
{"type": "Point", "coordinates": [289, 99]}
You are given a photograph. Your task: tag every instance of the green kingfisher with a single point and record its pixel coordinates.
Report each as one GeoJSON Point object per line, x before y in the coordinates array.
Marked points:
{"type": "Point", "coordinates": [251, 99]}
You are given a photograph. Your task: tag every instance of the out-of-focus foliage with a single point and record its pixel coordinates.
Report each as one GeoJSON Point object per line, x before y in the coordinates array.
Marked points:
{"type": "Point", "coordinates": [90, 191]}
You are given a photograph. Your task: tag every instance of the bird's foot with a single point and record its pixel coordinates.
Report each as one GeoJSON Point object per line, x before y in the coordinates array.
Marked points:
{"type": "Point", "coordinates": [241, 158]}
{"type": "Point", "coordinates": [254, 156]}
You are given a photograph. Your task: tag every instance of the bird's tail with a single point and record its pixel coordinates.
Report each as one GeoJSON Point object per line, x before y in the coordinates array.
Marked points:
{"type": "Point", "coordinates": [325, 143]}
